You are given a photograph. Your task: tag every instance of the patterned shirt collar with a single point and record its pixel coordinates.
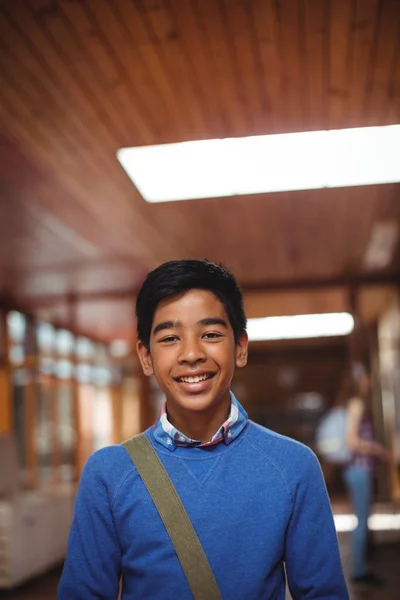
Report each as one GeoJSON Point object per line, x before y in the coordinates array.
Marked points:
{"type": "Point", "coordinates": [167, 435]}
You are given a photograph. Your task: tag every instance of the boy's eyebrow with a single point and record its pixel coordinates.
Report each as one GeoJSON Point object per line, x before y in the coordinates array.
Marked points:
{"type": "Point", "coordinates": [166, 325]}
{"type": "Point", "coordinates": [213, 321]}
{"type": "Point", "coordinates": [174, 324]}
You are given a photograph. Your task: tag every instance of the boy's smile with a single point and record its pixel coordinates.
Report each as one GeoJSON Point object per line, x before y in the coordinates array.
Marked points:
{"type": "Point", "coordinates": [193, 355]}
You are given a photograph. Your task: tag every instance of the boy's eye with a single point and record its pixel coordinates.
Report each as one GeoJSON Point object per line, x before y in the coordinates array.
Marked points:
{"type": "Point", "coordinates": [212, 336]}
{"type": "Point", "coordinates": [168, 339]}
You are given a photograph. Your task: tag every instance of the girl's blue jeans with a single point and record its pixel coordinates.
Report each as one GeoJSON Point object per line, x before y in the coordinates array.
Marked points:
{"type": "Point", "coordinates": [359, 484]}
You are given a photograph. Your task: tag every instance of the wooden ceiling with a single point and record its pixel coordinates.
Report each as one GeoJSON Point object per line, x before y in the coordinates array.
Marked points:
{"type": "Point", "coordinates": [82, 78]}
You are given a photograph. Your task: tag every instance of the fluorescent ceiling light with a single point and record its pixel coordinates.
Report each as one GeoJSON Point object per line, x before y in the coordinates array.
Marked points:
{"type": "Point", "coordinates": [376, 522]}
{"type": "Point", "coordinates": [299, 326]}
{"type": "Point", "coordinates": [265, 163]}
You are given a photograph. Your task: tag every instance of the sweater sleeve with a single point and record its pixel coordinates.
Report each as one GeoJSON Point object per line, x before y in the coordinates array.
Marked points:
{"type": "Point", "coordinates": [313, 564]}
{"type": "Point", "coordinates": [93, 564]}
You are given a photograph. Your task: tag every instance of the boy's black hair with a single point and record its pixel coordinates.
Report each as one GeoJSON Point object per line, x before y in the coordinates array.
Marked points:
{"type": "Point", "coordinates": [178, 276]}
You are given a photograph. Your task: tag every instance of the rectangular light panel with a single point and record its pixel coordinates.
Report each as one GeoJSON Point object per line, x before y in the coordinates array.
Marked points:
{"type": "Point", "coordinates": [299, 326]}
{"type": "Point", "coordinates": [264, 163]}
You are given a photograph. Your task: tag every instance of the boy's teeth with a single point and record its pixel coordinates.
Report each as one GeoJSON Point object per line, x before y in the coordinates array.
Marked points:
{"type": "Point", "coordinates": [193, 379]}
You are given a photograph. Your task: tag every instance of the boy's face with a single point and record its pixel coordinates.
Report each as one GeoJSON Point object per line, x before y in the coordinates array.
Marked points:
{"type": "Point", "coordinates": [192, 351]}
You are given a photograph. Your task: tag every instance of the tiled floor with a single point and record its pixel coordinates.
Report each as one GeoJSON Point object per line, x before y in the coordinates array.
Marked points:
{"type": "Point", "coordinates": [43, 588]}
{"type": "Point", "coordinates": [385, 560]}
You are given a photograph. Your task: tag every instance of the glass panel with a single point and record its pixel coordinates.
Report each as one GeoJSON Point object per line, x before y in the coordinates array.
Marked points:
{"type": "Point", "coordinates": [66, 431]}
{"type": "Point", "coordinates": [44, 442]}
{"type": "Point", "coordinates": [85, 348]}
{"type": "Point", "coordinates": [30, 343]}
{"type": "Point", "coordinates": [46, 337]}
{"type": "Point", "coordinates": [64, 342]}
{"type": "Point", "coordinates": [102, 419]}
{"type": "Point", "coordinates": [46, 365]}
{"type": "Point", "coordinates": [84, 373]}
{"type": "Point", "coordinates": [22, 337]}
{"type": "Point", "coordinates": [86, 398]}
{"type": "Point", "coordinates": [18, 397]}
{"type": "Point", "coordinates": [16, 323]}
{"type": "Point", "coordinates": [130, 407]}
{"type": "Point", "coordinates": [64, 369]}
{"type": "Point", "coordinates": [102, 376]}
{"type": "Point", "coordinates": [17, 354]}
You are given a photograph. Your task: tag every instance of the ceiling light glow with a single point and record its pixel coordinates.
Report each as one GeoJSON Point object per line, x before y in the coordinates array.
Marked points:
{"type": "Point", "coordinates": [376, 522]}
{"type": "Point", "coordinates": [299, 326]}
{"type": "Point", "coordinates": [264, 163]}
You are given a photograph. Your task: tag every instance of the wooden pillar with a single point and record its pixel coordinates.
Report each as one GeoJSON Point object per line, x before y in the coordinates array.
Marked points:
{"type": "Point", "coordinates": [30, 431]}
{"type": "Point", "coordinates": [55, 437]}
{"type": "Point", "coordinates": [6, 412]}
{"type": "Point", "coordinates": [117, 412]}
{"type": "Point", "coordinates": [79, 453]}
{"type": "Point", "coordinates": [6, 415]}
{"type": "Point", "coordinates": [389, 363]}
{"type": "Point", "coordinates": [146, 416]}
{"type": "Point", "coordinates": [354, 350]}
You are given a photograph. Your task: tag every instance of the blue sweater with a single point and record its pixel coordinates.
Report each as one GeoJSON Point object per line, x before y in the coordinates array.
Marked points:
{"type": "Point", "coordinates": [258, 505]}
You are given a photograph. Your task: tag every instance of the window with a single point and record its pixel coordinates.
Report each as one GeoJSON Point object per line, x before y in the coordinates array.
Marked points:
{"type": "Point", "coordinates": [65, 430]}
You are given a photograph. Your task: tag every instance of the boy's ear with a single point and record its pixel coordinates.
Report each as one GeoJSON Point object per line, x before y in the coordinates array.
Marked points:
{"type": "Point", "coordinates": [242, 350]}
{"type": "Point", "coordinates": [145, 358]}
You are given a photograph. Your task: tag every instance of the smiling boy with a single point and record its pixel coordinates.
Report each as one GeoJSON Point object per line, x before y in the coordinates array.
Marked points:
{"type": "Point", "coordinates": [256, 499]}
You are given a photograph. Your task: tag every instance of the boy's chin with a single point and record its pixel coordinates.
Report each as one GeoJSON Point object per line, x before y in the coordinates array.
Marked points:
{"type": "Point", "coordinates": [198, 402]}
{"type": "Point", "coordinates": [195, 401]}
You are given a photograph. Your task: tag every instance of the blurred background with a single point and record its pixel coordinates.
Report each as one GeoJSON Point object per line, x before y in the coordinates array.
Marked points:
{"type": "Point", "coordinates": [83, 79]}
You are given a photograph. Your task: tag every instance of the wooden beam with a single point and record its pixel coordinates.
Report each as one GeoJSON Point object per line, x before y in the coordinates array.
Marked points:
{"type": "Point", "coordinates": [6, 416]}
{"type": "Point", "coordinates": [354, 280]}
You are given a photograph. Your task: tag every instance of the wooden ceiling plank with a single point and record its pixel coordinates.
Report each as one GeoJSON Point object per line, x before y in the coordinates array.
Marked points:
{"type": "Point", "coordinates": [72, 128]}
{"type": "Point", "coordinates": [293, 65]}
{"type": "Point", "coordinates": [386, 46]}
{"type": "Point", "coordinates": [103, 61]}
{"type": "Point", "coordinates": [131, 89]}
{"type": "Point", "coordinates": [16, 72]}
{"type": "Point", "coordinates": [340, 240]}
{"type": "Point", "coordinates": [137, 90]}
{"type": "Point", "coordinates": [263, 242]}
{"type": "Point", "coordinates": [316, 23]}
{"type": "Point", "coordinates": [210, 15]}
{"type": "Point", "coordinates": [134, 32]}
{"type": "Point", "coordinates": [107, 176]}
{"type": "Point", "coordinates": [363, 24]}
{"type": "Point", "coordinates": [359, 222]}
{"type": "Point", "coordinates": [387, 204]}
{"type": "Point", "coordinates": [76, 184]}
{"type": "Point", "coordinates": [123, 224]}
{"type": "Point", "coordinates": [393, 110]}
{"type": "Point", "coordinates": [163, 31]}
{"type": "Point", "coordinates": [248, 67]}
{"type": "Point", "coordinates": [267, 36]}
{"type": "Point", "coordinates": [32, 187]}
{"type": "Point", "coordinates": [13, 104]}
{"type": "Point", "coordinates": [72, 146]}
{"type": "Point", "coordinates": [31, 92]}
{"type": "Point", "coordinates": [56, 28]}
{"type": "Point", "coordinates": [341, 49]}
{"type": "Point", "coordinates": [49, 67]}
{"type": "Point", "coordinates": [35, 95]}
{"type": "Point", "coordinates": [193, 42]}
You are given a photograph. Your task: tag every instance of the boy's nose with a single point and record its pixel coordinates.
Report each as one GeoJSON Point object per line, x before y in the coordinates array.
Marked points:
{"type": "Point", "coordinates": [192, 353]}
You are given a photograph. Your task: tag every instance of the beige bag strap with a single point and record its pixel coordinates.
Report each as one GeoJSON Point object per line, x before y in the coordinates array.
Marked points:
{"type": "Point", "coordinates": [187, 545]}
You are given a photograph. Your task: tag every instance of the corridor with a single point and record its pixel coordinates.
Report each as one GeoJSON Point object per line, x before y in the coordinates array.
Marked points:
{"type": "Point", "coordinates": [385, 562]}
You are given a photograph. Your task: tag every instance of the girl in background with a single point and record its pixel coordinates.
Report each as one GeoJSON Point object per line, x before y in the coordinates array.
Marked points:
{"type": "Point", "coordinates": [358, 473]}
